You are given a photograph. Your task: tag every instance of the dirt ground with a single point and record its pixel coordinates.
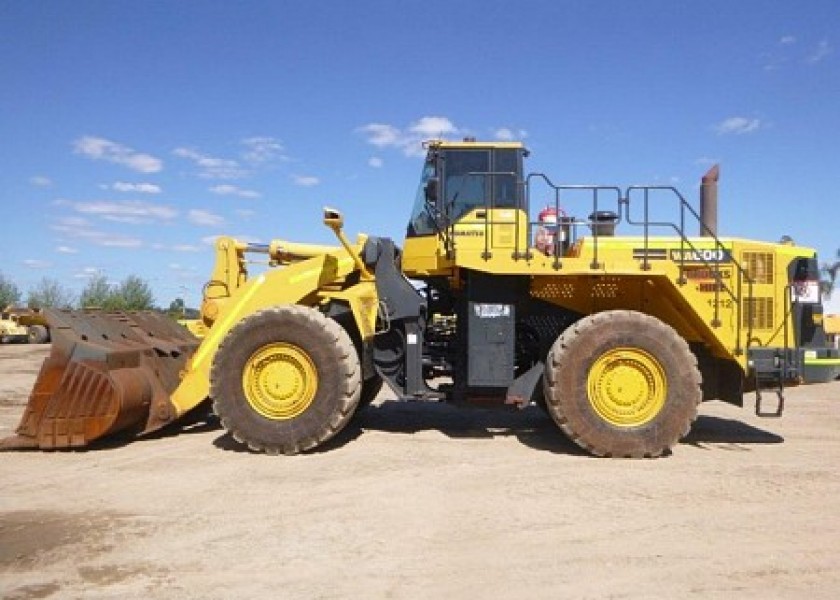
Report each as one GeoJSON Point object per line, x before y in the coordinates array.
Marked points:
{"type": "Point", "coordinates": [424, 501]}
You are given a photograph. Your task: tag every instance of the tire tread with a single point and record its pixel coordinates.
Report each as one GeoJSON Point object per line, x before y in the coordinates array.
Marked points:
{"type": "Point", "coordinates": [347, 392]}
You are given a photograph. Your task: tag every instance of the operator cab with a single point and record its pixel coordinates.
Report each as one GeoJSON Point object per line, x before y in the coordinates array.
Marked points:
{"type": "Point", "coordinates": [462, 181]}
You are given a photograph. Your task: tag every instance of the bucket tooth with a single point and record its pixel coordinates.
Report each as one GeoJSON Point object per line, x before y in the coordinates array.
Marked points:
{"type": "Point", "coordinates": [107, 374]}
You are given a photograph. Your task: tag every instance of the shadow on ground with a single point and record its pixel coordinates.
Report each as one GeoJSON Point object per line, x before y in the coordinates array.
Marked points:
{"type": "Point", "coordinates": [200, 420]}
{"type": "Point", "coordinates": [717, 430]}
{"type": "Point", "coordinates": [531, 426]}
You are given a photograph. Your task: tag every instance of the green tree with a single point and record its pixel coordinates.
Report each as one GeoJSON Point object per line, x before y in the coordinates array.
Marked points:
{"type": "Point", "coordinates": [829, 277]}
{"type": "Point", "coordinates": [135, 294]}
{"type": "Point", "coordinates": [49, 293]}
{"type": "Point", "coordinates": [177, 308]}
{"type": "Point", "coordinates": [96, 293]}
{"type": "Point", "coordinates": [9, 292]}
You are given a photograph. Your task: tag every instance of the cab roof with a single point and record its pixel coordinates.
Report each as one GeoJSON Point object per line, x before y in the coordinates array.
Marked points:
{"type": "Point", "coordinates": [471, 143]}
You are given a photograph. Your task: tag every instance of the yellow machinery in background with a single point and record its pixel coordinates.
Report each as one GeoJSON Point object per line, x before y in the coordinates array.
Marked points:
{"type": "Point", "coordinates": [194, 326]}
{"type": "Point", "coordinates": [832, 326]}
{"type": "Point", "coordinates": [26, 324]}
{"type": "Point", "coordinates": [11, 331]}
{"type": "Point", "coordinates": [617, 337]}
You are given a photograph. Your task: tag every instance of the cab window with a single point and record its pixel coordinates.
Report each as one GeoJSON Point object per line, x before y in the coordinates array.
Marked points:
{"type": "Point", "coordinates": [465, 183]}
{"type": "Point", "coordinates": [422, 223]}
{"type": "Point", "coordinates": [505, 187]}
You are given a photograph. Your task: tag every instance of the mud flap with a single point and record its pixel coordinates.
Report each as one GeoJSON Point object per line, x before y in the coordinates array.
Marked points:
{"type": "Point", "coordinates": [107, 373]}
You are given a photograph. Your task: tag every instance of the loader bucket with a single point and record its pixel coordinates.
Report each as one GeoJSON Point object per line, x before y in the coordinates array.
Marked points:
{"type": "Point", "coordinates": [107, 373]}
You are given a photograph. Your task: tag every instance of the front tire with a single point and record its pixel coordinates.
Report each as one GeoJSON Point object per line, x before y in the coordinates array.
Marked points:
{"type": "Point", "coordinates": [285, 380]}
{"type": "Point", "coordinates": [622, 384]}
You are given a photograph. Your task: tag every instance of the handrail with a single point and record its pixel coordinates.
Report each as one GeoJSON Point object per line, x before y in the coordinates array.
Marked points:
{"type": "Point", "coordinates": [623, 215]}
{"type": "Point", "coordinates": [714, 266]}
{"type": "Point", "coordinates": [596, 191]}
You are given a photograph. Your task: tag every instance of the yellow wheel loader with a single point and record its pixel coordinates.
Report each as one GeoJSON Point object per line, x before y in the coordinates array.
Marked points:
{"type": "Point", "coordinates": [508, 289]}
{"type": "Point", "coordinates": [11, 331]}
{"type": "Point", "coordinates": [33, 320]}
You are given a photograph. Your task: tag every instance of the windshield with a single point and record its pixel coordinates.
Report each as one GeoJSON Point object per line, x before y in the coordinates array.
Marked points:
{"type": "Point", "coordinates": [422, 223]}
{"type": "Point", "coordinates": [471, 179]}
{"type": "Point", "coordinates": [465, 183]}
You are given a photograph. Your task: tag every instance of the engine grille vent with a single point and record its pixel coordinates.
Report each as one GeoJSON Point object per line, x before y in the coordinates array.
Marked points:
{"type": "Point", "coordinates": [759, 266]}
{"type": "Point", "coordinates": [761, 311]}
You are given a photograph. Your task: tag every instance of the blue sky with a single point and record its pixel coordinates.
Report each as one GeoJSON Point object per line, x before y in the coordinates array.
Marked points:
{"type": "Point", "coordinates": [134, 132]}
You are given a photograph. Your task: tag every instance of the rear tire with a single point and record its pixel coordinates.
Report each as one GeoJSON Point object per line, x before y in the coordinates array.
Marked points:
{"type": "Point", "coordinates": [38, 334]}
{"type": "Point", "coordinates": [622, 384]}
{"type": "Point", "coordinates": [285, 380]}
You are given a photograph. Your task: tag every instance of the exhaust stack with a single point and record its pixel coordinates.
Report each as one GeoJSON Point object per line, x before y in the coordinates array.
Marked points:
{"type": "Point", "coordinates": [709, 202]}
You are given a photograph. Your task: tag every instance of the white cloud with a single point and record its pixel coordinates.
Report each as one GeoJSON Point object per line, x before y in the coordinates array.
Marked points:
{"type": "Point", "coordinates": [305, 180]}
{"type": "Point", "coordinates": [226, 189]}
{"type": "Point", "coordinates": [112, 240]}
{"type": "Point", "coordinates": [786, 40]}
{"type": "Point", "coordinates": [738, 126]}
{"type": "Point", "coordinates": [81, 228]}
{"type": "Point", "coordinates": [706, 161]}
{"type": "Point", "coordinates": [140, 188]}
{"type": "Point", "coordinates": [211, 167]}
{"type": "Point", "coordinates": [88, 272]}
{"type": "Point", "coordinates": [263, 149]}
{"type": "Point", "coordinates": [382, 135]}
{"type": "Point", "coordinates": [248, 239]}
{"type": "Point", "coordinates": [78, 222]}
{"type": "Point", "coordinates": [375, 162]}
{"type": "Point", "coordinates": [433, 127]}
{"type": "Point", "coordinates": [245, 213]}
{"type": "Point", "coordinates": [40, 181]}
{"type": "Point", "coordinates": [182, 269]}
{"type": "Point", "coordinates": [97, 148]}
{"type": "Point", "coordinates": [68, 228]}
{"type": "Point", "coordinates": [66, 250]}
{"type": "Point", "coordinates": [176, 247]}
{"type": "Point", "coordinates": [410, 139]}
{"type": "Point", "coordinates": [36, 263]}
{"type": "Point", "coordinates": [185, 248]}
{"type": "Point", "coordinates": [505, 134]}
{"type": "Point", "coordinates": [822, 50]}
{"type": "Point", "coordinates": [204, 218]}
{"type": "Point", "coordinates": [134, 212]}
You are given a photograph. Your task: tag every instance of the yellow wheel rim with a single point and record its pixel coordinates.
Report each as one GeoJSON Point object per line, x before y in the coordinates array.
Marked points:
{"type": "Point", "coordinates": [280, 381]}
{"type": "Point", "coordinates": [627, 387]}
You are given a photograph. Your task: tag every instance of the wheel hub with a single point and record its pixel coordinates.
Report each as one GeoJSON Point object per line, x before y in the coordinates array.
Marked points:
{"type": "Point", "coordinates": [280, 381]}
{"type": "Point", "coordinates": [627, 387]}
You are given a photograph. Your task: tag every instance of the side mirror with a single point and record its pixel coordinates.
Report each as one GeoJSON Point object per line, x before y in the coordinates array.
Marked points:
{"type": "Point", "coordinates": [431, 190]}
{"type": "Point", "coordinates": [333, 218]}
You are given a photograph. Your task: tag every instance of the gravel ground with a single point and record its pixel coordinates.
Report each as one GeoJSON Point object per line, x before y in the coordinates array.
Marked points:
{"type": "Point", "coordinates": [422, 501]}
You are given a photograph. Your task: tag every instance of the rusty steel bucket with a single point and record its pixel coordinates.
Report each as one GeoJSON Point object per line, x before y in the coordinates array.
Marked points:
{"type": "Point", "coordinates": [107, 373]}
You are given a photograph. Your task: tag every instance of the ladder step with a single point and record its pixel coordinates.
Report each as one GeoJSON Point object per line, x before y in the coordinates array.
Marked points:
{"type": "Point", "coordinates": [780, 405]}
{"type": "Point", "coordinates": [774, 377]}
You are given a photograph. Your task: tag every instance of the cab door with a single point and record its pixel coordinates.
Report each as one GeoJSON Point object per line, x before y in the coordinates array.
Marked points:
{"type": "Point", "coordinates": [482, 199]}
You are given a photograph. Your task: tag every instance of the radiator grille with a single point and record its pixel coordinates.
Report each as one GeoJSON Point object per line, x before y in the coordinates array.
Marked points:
{"type": "Point", "coordinates": [761, 311]}
{"type": "Point", "coordinates": [759, 266]}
